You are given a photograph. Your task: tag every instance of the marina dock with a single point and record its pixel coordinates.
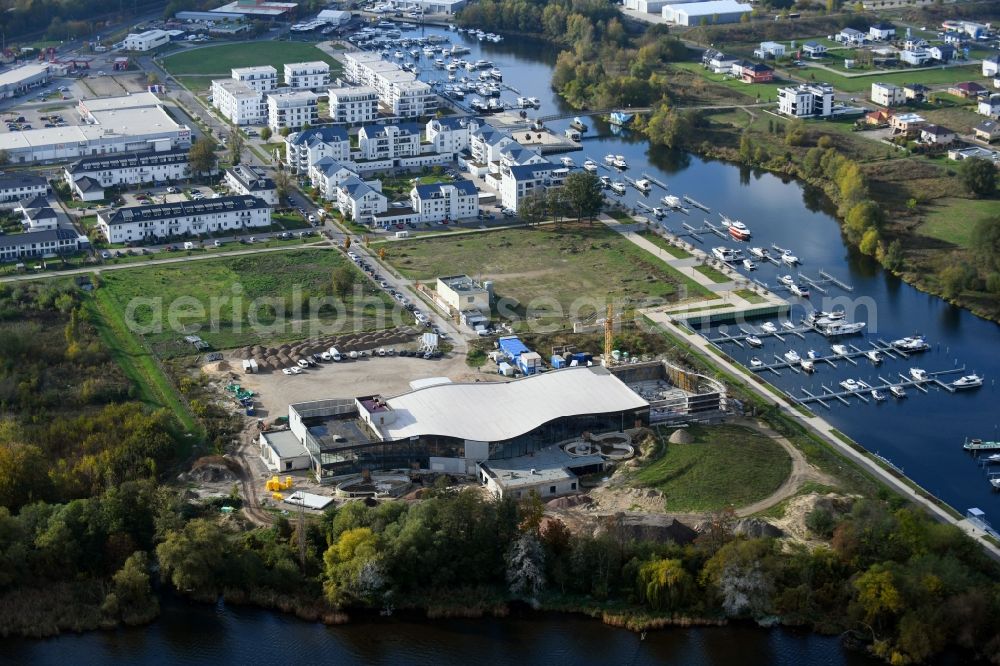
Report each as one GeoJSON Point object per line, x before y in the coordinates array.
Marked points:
{"type": "Point", "coordinates": [904, 382]}
{"type": "Point", "coordinates": [697, 204]}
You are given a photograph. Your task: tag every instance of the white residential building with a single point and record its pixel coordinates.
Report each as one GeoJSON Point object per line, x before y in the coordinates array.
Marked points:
{"type": "Point", "coordinates": [161, 221]}
{"type": "Point", "coordinates": [354, 104]}
{"type": "Point", "coordinates": [381, 142]}
{"type": "Point", "coordinates": [770, 50]}
{"type": "Point", "coordinates": [132, 168]}
{"type": "Point", "coordinates": [49, 242]}
{"type": "Point", "coordinates": [37, 214]}
{"type": "Point", "coordinates": [307, 147]}
{"type": "Point", "coordinates": [851, 36]}
{"type": "Point", "coordinates": [251, 181]}
{"type": "Point", "coordinates": [915, 57]}
{"type": "Point", "coordinates": [518, 182]}
{"type": "Point", "coordinates": [806, 100]}
{"type": "Point", "coordinates": [717, 61]}
{"type": "Point", "coordinates": [991, 66]}
{"type": "Point", "coordinates": [238, 102]}
{"type": "Point", "coordinates": [399, 92]}
{"type": "Point", "coordinates": [261, 79]}
{"type": "Point", "coordinates": [307, 75]}
{"type": "Point", "coordinates": [451, 134]}
{"type": "Point", "coordinates": [16, 187]}
{"type": "Point", "coordinates": [882, 32]}
{"type": "Point", "coordinates": [445, 201]}
{"type": "Point", "coordinates": [486, 142]}
{"type": "Point", "coordinates": [814, 49]}
{"type": "Point", "coordinates": [327, 175]}
{"type": "Point", "coordinates": [291, 109]}
{"type": "Point", "coordinates": [887, 94]}
{"type": "Point", "coordinates": [990, 106]}
{"type": "Point", "coordinates": [146, 41]}
{"type": "Point", "coordinates": [361, 201]}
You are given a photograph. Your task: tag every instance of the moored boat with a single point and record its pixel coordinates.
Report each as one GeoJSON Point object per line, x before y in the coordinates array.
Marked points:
{"type": "Point", "coordinates": [786, 280]}
{"type": "Point", "coordinates": [968, 382]}
{"type": "Point", "coordinates": [609, 159]}
{"type": "Point", "coordinates": [874, 355]}
{"type": "Point", "coordinates": [739, 231]}
{"type": "Point", "coordinates": [578, 124]}
{"type": "Point", "coordinates": [756, 363]}
{"type": "Point", "coordinates": [850, 385]}
{"type": "Point", "coordinates": [788, 258]}
{"type": "Point", "coordinates": [877, 395]}
{"type": "Point", "coordinates": [749, 265]}
{"type": "Point", "coordinates": [897, 391]}
{"type": "Point", "coordinates": [807, 365]}
{"type": "Point", "coordinates": [840, 350]}
{"type": "Point", "coordinates": [567, 162]}
{"type": "Point", "coordinates": [643, 185]}
{"type": "Point", "coordinates": [619, 162]}
{"type": "Point", "coordinates": [590, 165]}
{"type": "Point", "coordinates": [792, 356]}
{"type": "Point", "coordinates": [918, 374]}
{"type": "Point", "coordinates": [618, 187]}
{"type": "Point", "coordinates": [753, 341]}
{"type": "Point", "coordinates": [759, 253]}
{"type": "Point", "coordinates": [798, 290]}
{"type": "Point", "coordinates": [769, 327]}
{"type": "Point", "coordinates": [976, 444]}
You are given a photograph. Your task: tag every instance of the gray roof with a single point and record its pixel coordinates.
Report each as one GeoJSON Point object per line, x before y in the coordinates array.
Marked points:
{"type": "Point", "coordinates": [357, 188]}
{"type": "Point", "coordinates": [329, 166]}
{"type": "Point", "coordinates": [31, 237]}
{"type": "Point", "coordinates": [285, 444]}
{"type": "Point", "coordinates": [88, 184]}
{"type": "Point", "coordinates": [466, 187]}
{"type": "Point", "coordinates": [112, 162]}
{"type": "Point", "coordinates": [324, 134]}
{"type": "Point", "coordinates": [529, 171]}
{"type": "Point", "coordinates": [16, 180]}
{"type": "Point", "coordinates": [171, 210]}
{"type": "Point", "coordinates": [251, 177]}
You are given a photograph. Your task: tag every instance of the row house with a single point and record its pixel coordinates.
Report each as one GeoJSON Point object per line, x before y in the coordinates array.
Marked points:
{"type": "Point", "coordinates": [15, 187]}
{"type": "Point", "coordinates": [162, 221]}
{"type": "Point", "coordinates": [131, 168]}
{"type": "Point", "coordinates": [46, 243]}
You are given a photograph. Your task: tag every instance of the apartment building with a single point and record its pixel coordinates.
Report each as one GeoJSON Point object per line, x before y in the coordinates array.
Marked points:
{"type": "Point", "coordinates": [238, 102]}
{"type": "Point", "coordinates": [806, 100]}
{"type": "Point", "coordinates": [360, 200]}
{"type": "Point", "coordinates": [291, 109]}
{"type": "Point", "coordinates": [162, 221]}
{"type": "Point", "coordinates": [131, 168]}
{"type": "Point", "coordinates": [450, 134]}
{"type": "Point", "coordinates": [307, 75]}
{"type": "Point", "coordinates": [307, 147]}
{"type": "Point", "coordinates": [49, 242]}
{"type": "Point", "coordinates": [399, 92]}
{"type": "Point", "coordinates": [251, 181]}
{"type": "Point", "coordinates": [381, 142]}
{"type": "Point", "coordinates": [520, 181]}
{"type": "Point", "coordinates": [15, 187]}
{"type": "Point", "coordinates": [327, 175]}
{"type": "Point", "coordinates": [445, 201]}
{"type": "Point", "coordinates": [262, 79]}
{"type": "Point", "coordinates": [353, 104]}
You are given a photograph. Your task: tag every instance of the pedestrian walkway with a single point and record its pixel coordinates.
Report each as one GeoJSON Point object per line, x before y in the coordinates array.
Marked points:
{"type": "Point", "coordinates": [731, 298]}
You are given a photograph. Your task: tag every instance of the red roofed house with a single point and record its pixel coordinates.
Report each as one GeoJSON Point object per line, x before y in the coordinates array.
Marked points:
{"type": "Point", "coordinates": [967, 89]}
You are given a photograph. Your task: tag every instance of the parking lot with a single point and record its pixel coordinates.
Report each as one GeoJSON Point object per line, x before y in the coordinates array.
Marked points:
{"type": "Point", "coordinates": [387, 376]}
{"type": "Point", "coordinates": [171, 194]}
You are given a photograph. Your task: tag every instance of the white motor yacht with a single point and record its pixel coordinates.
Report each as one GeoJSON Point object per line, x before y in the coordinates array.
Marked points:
{"type": "Point", "coordinates": [618, 187]}
{"type": "Point", "coordinates": [786, 280]}
{"type": "Point", "coordinates": [760, 253]}
{"type": "Point", "coordinates": [754, 341]}
{"type": "Point", "coordinates": [811, 354]}
{"type": "Point", "coordinates": [590, 165]}
{"type": "Point", "coordinates": [874, 355]}
{"type": "Point", "coordinates": [850, 385]}
{"type": "Point", "coordinates": [619, 162]}
{"type": "Point", "coordinates": [807, 365]}
{"type": "Point", "coordinates": [840, 350]}
{"type": "Point", "coordinates": [789, 258]}
{"type": "Point", "coordinates": [609, 159]}
{"type": "Point", "coordinates": [918, 374]}
{"type": "Point", "coordinates": [769, 327]}
{"type": "Point", "coordinates": [877, 395]}
{"type": "Point", "coordinates": [749, 265]}
{"type": "Point", "coordinates": [968, 382]}
{"type": "Point", "coordinates": [792, 356]}
{"type": "Point", "coordinates": [567, 162]}
{"type": "Point", "coordinates": [756, 363]}
{"type": "Point", "coordinates": [897, 391]}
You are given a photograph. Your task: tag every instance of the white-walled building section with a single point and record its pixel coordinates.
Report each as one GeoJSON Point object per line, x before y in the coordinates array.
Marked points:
{"type": "Point", "coordinates": [161, 221]}
{"type": "Point", "coordinates": [327, 174]}
{"type": "Point", "coordinates": [132, 168]}
{"type": "Point", "coordinates": [445, 201]}
{"type": "Point", "coordinates": [15, 187]}
{"type": "Point", "coordinates": [305, 148]}
{"type": "Point", "coordinates": [399, 92]}
{"type": "Point", "coordinates": [49, 242]}
{"type": "Point", "coordinates": [714, 11]}
{"type": "Point", "coordinates": [146, 41]}
{"type": "Point", "coordinates": [251, 181]}
{"type": "Point", "coordinates": [291, 109]}
{"type": "Point", "coordinates": [806, 100]}
{"type": "Point", "coordinates": [261, 79]}
{"type": "Point", "coordinates": [353, 104]}
{"type": "Point", "coordinates": [239, 103]}
{"type": "Point", "coordinates": [19, 80]}
{"type": "Point", "coordinates": [307, 75]}
{"type": "Point", "coordinates": [378, 142]}
{"type": "Point", "coordinates": [120, 125]}
{"type": "Point", "coordinates": [361, 200]}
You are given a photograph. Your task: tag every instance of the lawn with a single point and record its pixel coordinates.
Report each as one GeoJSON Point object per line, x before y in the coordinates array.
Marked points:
{"type": "Point", "coordinates": [863, 84]}
{"type": "Point", "coordinates": [235, 301]}
{"type": "Point", "coordinates": [548, 272]}
{"type": "Point", "coordinates": [662, 243]}
{"type": "Point", "coordinates": [726, 465]}
{"type": "Point", "coordinates": [750, 296]}
{"type": "Point", "coordinates": [751, 92]}
{"type": "Point", "coordinates": [952, 220]}
{"type": "Point", "coordinates": [713, 274]}
{"type": "Point", "coordinates": [219, 60]}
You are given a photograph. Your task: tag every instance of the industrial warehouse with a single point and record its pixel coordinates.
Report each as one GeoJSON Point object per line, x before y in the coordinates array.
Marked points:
{"type": "Point", "coordinates": [546, 423]}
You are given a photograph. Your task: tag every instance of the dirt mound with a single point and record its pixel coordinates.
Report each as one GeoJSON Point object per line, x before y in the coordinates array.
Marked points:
{"type": "Point", "coordinates": [568, 502]}
{"type": "Point", "coordinates": [213, 469]}
{"type": "Point", "coordinates": [223, 366]}
{"type": "Point", "coordinates": [681, 436]}
{"type": "Point", "coordinates": [793, 522]}
{"type": "Point", "coordinates": [662, 529]}
{"type": "Point", "coordinates": [756, 528]}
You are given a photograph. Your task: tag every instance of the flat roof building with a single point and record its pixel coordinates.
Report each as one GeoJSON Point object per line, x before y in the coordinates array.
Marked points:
{"type": "Point", "coordinates": [16, 81]}
{"type": "Point", "coordinates": [261, 79]}
{"type": "Point", "coordinates": [714, 11]}
{"type": "Point", "coordinates": [461, 292]}
{"type": "Point", "coordinates": [146, 41]}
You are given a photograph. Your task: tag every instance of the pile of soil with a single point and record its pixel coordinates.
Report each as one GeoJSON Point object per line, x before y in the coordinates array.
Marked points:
{"type": "Point", "coordinates": [275, 358]}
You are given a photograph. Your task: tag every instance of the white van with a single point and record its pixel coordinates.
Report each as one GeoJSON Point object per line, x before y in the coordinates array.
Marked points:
{"type": "Point", "coordinates": [402, 234]}
{"type": "Point", "coordinates": [337, 356]}
{"type": "Point", "coordinates": [188, 245]}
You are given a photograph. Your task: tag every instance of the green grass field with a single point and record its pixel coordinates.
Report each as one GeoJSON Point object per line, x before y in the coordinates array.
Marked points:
{"type": "Point", "coordinates": [662, 243]}
{"type": "Point", "coordinates": [749, 296]}
{"type": "Point", "coordinates": [750, 92]}
{"type": "Point", "coordinates": [726, 465]}
{"type": "Point", "coordinates": [952, 220]}
{"type": "Point", "coordinates": [863, 84]}
{"type": "Point", "coordinates": [235, 301]}
{"type": "Point", "coordinates": [219, 60]}
{"type": "Point", "coordinates": [548, 268]}
{"type": "Point", "coordinates": [713, 274]}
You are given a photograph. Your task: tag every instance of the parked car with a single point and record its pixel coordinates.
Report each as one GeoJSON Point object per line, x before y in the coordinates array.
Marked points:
{"type": "Point", "coordinates": [287, 371]}
{"type": "Point", "coordinates": [105, 254]}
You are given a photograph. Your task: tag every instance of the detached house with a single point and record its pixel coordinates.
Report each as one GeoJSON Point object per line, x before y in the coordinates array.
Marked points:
{"type": "Point", "coordinates": [718, 62]}
{"type": "Point", "coordinates": [935, 135]}
{"type": "Point", "coordinates": [814, 49]}
{"type": "Point", "coordinates": [988, 131]}
{"type": "Point", "coordinates": [942, 52]}
{"type": "Point", "coordinates": [851, 36]}
{"type": "Point", "coordinates": [967, 89]}
{"type": "Point", "coordinates": [990, 107]}
{"type": "Point", "coordinates": [991, 66]}
{"type": "Point", "coordinates": [882, 32]}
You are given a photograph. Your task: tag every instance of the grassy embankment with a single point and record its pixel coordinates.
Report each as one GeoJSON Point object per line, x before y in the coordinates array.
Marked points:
{"type": "Point", "coordinates": [725, 465]}
{"type": "Point", "coordinates": [195, 68]}
{"type": "Point", "coordinates": [548, 269]}
{"type": "Point", "coordinates": [270, 280]}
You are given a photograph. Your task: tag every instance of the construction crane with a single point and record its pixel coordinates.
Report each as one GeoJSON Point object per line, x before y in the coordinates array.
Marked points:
{"type": "Point", "coordinates": [609, 334]}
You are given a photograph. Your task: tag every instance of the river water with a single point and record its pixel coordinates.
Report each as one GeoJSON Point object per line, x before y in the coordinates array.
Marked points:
{"type": "Point", "coordinates": [921, 434]}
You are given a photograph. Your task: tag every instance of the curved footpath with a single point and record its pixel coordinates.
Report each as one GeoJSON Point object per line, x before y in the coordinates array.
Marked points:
{"type": "Point", "coordinates": [822, 429]}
